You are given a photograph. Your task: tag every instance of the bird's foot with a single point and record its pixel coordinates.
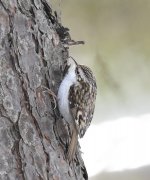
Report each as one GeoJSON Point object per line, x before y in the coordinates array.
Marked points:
{"type": "Point", "coordinates": [50, 92]}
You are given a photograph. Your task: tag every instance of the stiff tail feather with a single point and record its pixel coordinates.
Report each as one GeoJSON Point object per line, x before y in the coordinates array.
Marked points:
{"type": "Point", "coordinates": [72, 146]}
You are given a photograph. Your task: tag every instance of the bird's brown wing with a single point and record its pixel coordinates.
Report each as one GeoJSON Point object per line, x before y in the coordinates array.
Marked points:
{"type": "Point", "coordinates": [81, 103]}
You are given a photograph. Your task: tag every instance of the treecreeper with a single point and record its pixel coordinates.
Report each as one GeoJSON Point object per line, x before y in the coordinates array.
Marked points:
{"type": "Point", "coordinates": [76, 101]}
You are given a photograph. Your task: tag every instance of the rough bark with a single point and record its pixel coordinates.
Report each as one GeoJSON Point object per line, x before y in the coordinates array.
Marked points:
{"type": "Point", "coordinates": [32, 133]}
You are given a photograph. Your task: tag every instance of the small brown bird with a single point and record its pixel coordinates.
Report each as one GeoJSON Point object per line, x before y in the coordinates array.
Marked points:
{"type": "Point", "coordinates": [76, 101]}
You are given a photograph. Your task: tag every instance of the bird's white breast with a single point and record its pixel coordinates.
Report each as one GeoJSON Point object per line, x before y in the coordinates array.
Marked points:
{"type": "Point", "coordinates": [63, 93]}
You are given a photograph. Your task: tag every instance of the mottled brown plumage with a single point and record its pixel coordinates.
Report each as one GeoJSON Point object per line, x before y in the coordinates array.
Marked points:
{"type": "Point", "coordinates": [82, 99]}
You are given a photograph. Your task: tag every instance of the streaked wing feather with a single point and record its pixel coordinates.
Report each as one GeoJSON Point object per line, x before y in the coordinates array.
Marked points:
{"type": "Point", "coordinates": [82, 99]}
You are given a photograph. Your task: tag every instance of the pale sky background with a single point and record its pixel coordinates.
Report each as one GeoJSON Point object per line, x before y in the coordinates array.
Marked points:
{"type": "Point", "coordinates": [117, 37]}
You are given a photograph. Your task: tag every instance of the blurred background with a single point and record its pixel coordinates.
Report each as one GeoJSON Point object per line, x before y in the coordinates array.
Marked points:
{"type": "Point", "coordinates": [117, 48]}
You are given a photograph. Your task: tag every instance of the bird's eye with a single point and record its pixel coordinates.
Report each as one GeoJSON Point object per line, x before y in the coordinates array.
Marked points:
{"type": "Point", "coordinates": [77, 71]}
{"type": "Point", "coordinates": [66, 70]}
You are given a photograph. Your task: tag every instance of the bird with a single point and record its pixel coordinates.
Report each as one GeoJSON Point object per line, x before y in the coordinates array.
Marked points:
{"type": "Point", "coordinates": [76, 101]}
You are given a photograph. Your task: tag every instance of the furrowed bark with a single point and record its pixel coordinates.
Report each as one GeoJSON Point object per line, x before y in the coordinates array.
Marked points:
{"type": "Point", "coordinates": [32, 132]}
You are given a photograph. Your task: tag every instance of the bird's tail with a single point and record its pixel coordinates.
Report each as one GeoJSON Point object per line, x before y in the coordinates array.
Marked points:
{"type": "Point", "coordinates": [72, 146]}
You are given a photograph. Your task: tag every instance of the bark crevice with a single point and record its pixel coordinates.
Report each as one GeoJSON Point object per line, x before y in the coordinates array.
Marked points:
{"type": "Point", "coordinates": [33, 135]}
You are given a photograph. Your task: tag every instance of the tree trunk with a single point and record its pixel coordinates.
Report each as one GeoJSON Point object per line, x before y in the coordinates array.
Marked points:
{"type": "Point", "coordinates": [32, 133]}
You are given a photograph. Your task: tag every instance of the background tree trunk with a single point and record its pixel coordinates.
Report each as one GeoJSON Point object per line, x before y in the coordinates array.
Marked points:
{"type": "Point", "coordinates": [32, 55]}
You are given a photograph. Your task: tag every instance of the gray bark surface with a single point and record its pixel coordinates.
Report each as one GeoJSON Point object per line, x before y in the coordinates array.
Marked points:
{"type": "Point", "coordinates": [32, 133]}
